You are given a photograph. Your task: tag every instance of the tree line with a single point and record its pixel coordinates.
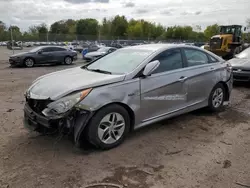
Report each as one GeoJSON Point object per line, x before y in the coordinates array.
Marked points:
{"type": "Point", "coordinates": [118, 27]}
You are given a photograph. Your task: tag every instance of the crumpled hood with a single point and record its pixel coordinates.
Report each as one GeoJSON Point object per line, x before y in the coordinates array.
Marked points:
{"type": "Point", "coordinates": [58, 84]}
{"type": "Point", "coordinates": [19, 54]}
{"type": "Point", "coordinates": [93, 54]}
{"type": "Point", "coordinates": [240, 63]}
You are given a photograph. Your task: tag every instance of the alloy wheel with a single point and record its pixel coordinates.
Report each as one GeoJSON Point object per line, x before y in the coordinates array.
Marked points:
{"type": "Point", "coordinates": [29, 62]}
{"type": "Point", "coordinates": [111, 128]}
{"type": "Point", "coordinates": [68, 60]}
{"type": "Point", "coordinates": [217, 98]}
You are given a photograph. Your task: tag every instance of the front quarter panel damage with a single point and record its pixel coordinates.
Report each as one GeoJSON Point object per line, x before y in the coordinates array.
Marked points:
{"type": "Point", "coordinates": [126, 93]}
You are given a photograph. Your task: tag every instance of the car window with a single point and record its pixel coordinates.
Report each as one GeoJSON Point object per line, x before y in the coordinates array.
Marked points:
{"type": "Point", "coordinates": [213, 59]}
{"type": "Point", "coordinates": [56, 49]}
{"type": "Point", "coordinates": [169, 60]}
{"type": "Point", "coordinates": [47, 49]}
{"type": "Point", "coordinates": [195, 57]}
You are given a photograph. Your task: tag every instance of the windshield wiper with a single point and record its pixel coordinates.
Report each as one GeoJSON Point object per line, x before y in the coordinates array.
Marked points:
{"type": "Point", "coordinates": [99, 70]}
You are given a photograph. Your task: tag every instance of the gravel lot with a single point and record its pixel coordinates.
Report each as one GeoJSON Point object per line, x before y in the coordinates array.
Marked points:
{"type": "Point", "coordinates": [198, 149]}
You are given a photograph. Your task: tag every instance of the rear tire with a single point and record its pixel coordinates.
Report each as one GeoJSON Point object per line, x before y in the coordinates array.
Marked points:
{"type": "Point", "coordinates": [29, 62]}
{"type": "Point", "coordinates": [108, 127]}
{"type": "Point", "coordinates": [217, 98]}
{"type": "Point", "coordinates": [68, 60]}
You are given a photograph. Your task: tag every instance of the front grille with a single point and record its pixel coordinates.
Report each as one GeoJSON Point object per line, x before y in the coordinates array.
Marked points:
{"type": "Point", "coordinates": [38, 105]}
{"type": "Point", "coordinates": [215, 43]}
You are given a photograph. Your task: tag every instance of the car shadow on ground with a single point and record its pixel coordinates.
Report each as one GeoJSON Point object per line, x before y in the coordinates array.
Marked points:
{"type": "Point", "coordinates": [44, 65]}
{"type": "Point", "coordinates": [182, 126]}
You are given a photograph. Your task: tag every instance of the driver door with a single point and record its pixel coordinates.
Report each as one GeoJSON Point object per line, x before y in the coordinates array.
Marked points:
{"type": "Point", "coordinates": [45, 55]}
{"type": "Point", "coordinates": [164, 92]}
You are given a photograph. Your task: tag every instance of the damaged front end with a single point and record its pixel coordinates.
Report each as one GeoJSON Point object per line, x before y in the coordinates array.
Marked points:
{"type": "Point", "coordinates": [65, 115]}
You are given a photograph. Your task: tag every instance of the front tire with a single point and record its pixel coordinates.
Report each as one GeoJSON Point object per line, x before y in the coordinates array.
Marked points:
{"type": "Point", "coordinates": [68, 60]}
{"type": "Point", "coordinates": [109, 127]}
{"type": "Point", "coordinates": [217, 98]}
{"type": "Point", "coordinates": [29, 62]}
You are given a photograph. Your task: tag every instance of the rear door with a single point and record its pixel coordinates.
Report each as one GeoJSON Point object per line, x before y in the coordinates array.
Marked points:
{"type": "Point", "coordinates": [202, 74]}
{"type": "Point", "coordinates": [59, 54]}
{"type": "Point", "coordinates": [165, 90]}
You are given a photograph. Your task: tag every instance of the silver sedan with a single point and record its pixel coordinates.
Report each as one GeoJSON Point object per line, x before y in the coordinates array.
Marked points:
{"type": "Point", "coordinates": [128, 89]}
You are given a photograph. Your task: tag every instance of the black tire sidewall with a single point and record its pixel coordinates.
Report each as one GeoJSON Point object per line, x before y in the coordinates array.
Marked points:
{"type": "Point", "coordinates": [92, 128]}
{"type": "Point", "coordinates": [210, 102]}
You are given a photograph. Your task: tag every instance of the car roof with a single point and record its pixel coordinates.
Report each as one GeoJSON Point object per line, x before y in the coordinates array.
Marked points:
{"type": "Point", "coordinates": [156, 47]}
{"type": "Point", "coordinates": [52, 46]}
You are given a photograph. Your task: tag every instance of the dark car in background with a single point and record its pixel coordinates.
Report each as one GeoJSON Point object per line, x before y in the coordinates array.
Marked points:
{"type": "Point", "coordinates": [90, 56]}
{"type": "Point", "coordinates": [43, 55]}
{"type": "Point", "coordinates": [241, 66]}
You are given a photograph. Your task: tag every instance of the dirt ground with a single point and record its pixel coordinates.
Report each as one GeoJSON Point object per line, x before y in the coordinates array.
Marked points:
{"type": "Point", "coordinates": [194, 150]}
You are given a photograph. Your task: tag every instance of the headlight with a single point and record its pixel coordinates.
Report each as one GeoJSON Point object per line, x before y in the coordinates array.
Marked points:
{"type": "Point", "coordinates": [65, 104]}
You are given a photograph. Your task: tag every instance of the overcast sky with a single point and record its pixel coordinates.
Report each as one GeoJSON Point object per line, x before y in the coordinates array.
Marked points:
{"type": "Point", "coordinates": [24, 13]}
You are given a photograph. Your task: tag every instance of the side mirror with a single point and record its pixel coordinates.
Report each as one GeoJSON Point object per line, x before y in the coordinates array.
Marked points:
{"type": "Point", "coordinates": [150, 67]}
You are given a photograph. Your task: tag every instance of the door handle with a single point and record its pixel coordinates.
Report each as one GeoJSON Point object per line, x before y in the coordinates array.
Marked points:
{"type": "Point", "coordinates": [182, 78]}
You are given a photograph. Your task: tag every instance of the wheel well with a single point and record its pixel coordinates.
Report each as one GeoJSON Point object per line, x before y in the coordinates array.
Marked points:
{"type": "Point", "coordinates": [226, 90]}
{"type": "Point", "coordinates": [129, 110]}
{"type": "Point", "coordinates": [29, 58]}
{"type": "Point", "coordinates": [68, 56]}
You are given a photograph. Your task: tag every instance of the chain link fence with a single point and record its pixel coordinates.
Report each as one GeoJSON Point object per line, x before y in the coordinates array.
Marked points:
{"type": "Point", "coordinates": [71, 39]}
{"type": "Point", "coordinates": [49, 37]}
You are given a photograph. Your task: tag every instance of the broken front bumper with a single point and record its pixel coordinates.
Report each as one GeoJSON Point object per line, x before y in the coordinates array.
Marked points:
{"type": "Point", "coordinates": [33, 120]}
{"type": "Point", "coordinates": [74, 121]}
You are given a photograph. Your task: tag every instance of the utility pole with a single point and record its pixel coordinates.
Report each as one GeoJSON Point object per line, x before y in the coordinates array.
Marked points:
{"type": "Point", "coordinates": [12, 42]}
{"type": "Point", "coordinates": [47, 34]}
{"type": "Point", "coordinates": [99, 34]}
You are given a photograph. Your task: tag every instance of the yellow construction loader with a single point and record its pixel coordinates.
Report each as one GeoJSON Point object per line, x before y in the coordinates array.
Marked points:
{"type": "Point", "coordinates": [228, 42]}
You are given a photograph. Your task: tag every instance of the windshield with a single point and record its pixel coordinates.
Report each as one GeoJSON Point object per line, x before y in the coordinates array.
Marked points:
{"type": "Point", "coordinates": [36, 49]}
{"type": "Point", "coordinates": [121, 61]}
{"type": "Point", "coordinates": [227, 30]}
{"type": "Point", "coordinates": [244, 54]}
